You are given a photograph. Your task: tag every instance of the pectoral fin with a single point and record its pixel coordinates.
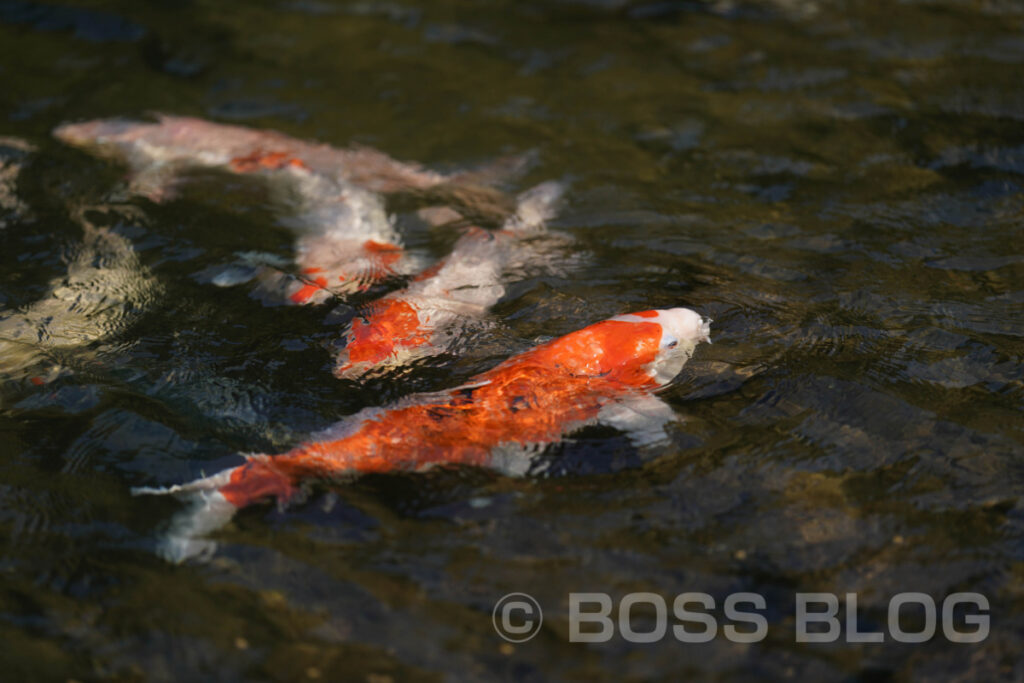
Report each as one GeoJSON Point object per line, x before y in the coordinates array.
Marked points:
{"type": "Point", "coordinates": [641, 416]}
{"type": "Point", "coordinates": [158, 183]}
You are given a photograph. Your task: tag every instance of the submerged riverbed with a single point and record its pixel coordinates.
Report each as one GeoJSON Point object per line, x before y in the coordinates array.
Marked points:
{"type": "Point", "coordinates": [839, 185]}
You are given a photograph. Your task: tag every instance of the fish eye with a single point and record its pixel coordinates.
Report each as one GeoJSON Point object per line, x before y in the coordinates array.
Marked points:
{"type": "Point", "coordinates": [672, 344]}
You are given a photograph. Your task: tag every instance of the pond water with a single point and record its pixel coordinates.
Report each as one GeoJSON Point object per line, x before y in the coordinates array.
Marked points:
{"type": "Point", "coordinates": [839, 185]}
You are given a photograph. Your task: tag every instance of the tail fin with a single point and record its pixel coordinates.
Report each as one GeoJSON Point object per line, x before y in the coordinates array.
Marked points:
{"type": "Point", "coordinates": [207, 510]}
{"type": "Point", "coordinates": [501, 170]}
{"type": "Point", "coordinates": [535, 207]}
{"type": "Point", "coordinates": [211, 502]}
{"type": "Point", "coordinates": [477, 204]}
{"type": "Point", "coordinates": [473, 195]}
{"type": "Point", "coordinates": [535, 250]}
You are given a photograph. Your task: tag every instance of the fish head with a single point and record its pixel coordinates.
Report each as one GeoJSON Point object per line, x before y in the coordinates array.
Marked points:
{"type": "Point", "coordinates": [664, 340]}
{"type": "Point", "coordinates": [97, 134]}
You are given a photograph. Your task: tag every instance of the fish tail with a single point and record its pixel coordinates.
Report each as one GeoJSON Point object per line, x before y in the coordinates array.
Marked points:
{"type": "Point", "coordinates": [533, 249]}
{"type": "Point", "coordinates": [211, 502]}
{"type": "Point", "coordinates": [535, 207]}
{"type": "Point", "coordinates": [498, 171]}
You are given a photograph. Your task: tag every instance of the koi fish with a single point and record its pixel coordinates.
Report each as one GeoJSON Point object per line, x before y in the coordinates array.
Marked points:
{"type": "Point", "coordinates": [423, 318]}
{"type": "Point", "coordinates": [605, 373]}
{"type": "Point", "coordinates": [330, 197]}
{"type": "Point", "coordinates": [156, 151]}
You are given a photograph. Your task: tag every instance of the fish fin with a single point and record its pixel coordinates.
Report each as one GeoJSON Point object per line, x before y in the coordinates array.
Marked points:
{"type": "Point", "coordinates": [210, 483]}
{"type": "Point", "coordinates": [206, 511]}
{"type": "Point", "coordinates": [211, 502]}
{"type": "Point", "coordinates": [535, 207]}
{"type": "Point", "coordinates": [641, 416]}
{"type": "Point", "coordinates": [470, 196]}
{"type": "Point", "coordinates": [436, 216]}
{"type": "Point", "coordinates": [516, 459]}
{"type": "Point", "coordinates": [276, 287]}
{"type": "Point", "coordinates": [430, 397]}
{"type": "Point", "coordinates": [477, 204]}
{"type": "Point", "coordinates": [158, 183]}
{"type": "Point", "coordinates": [232, 275]}
{"type": "Point", "coordinates": [498, 171]}
{"type": "Point", "coordinates": [247, 266]}
{"type": "Point", "coordinates": [533, 249]}
{"type": "Point", "coordinates": [185, 538]}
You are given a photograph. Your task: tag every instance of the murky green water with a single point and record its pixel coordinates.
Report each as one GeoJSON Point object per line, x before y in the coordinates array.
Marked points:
{"type": "Point", "coordinates": [840, 185]}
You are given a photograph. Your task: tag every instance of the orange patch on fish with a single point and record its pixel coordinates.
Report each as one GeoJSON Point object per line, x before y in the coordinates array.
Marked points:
{"type": "Point", "coordinates": [626, 349]}
{"type": "Point", "coordinates": [252, 483]}
{"type": "Point", "coordinates": [384, 252]}
{"type": "Point", "coordinates": [309, 289]}
{"type": "Point", "coordinates": [382, 256]}
{"type": "Point", "coordinates": [264, 161]}
{"type": "Point", "coordinates": [390, 324]}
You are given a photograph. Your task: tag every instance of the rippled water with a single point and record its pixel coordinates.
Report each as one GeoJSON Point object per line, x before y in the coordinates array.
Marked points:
{"type": "Point", "coordinates": [838, 184]}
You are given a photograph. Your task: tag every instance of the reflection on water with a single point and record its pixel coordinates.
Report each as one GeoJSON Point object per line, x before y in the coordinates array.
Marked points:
{"type": "Point", "coordinates": [837, 185]}
{"type": "Point", "coordinates": [104, 291]}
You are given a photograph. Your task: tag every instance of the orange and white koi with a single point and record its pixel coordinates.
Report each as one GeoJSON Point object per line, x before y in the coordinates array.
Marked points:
{"type": "Point", "coordinates": [346, 242]}
{"type": "Point", "coordinates": [606, 373]}
{"type": "Point", "coordinates": [424, 318]}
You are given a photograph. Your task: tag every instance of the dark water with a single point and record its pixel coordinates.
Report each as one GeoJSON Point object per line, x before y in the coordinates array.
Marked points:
{"type": "Point", "coordinates": [840, 185]}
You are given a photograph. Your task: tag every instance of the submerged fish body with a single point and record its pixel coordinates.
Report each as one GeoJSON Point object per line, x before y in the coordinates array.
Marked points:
{"type": "Point", "coordinates": [606, 373]}
{"type": "Point", "coordinates": [175, 142]}
{"type": "Point", "coordinates": [346, 244]}
{"type": "Point", "coordinates": [331, 197]}
{"type": "Point", "coordinates": [424, 317]}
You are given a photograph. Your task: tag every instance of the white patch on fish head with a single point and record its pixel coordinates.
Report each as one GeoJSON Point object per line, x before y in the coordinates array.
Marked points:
{"type": "Point", "coordinates": [681, 330]}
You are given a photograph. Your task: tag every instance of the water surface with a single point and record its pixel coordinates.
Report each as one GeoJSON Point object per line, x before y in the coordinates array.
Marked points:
{"type": "Point", "coordinates": [840, 185]}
